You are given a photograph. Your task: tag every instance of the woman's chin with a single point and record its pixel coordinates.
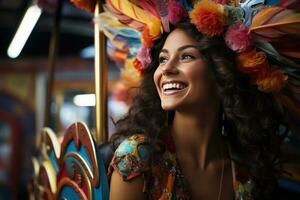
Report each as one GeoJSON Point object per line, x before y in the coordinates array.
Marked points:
{"type": "Point", "coordinates": [169, 106]}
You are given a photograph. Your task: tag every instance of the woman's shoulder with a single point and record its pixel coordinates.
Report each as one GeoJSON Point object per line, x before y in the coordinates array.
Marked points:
{"type": "Point", "coordinates": [132, 157]}
{"type": "Point", "coordinates": [132, 143]}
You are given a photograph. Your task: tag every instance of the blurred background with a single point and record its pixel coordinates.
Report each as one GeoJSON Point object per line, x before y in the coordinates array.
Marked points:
{"type": "Point", "coordinates": [23, 83]}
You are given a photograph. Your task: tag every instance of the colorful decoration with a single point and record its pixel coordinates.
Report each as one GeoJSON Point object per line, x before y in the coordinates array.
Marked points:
{"type": "Point", "coordinates": [238, 38]}
{"type": "Point", "coordinates": [279, 27]}
{"type": "Point", "coordinates": [71, 170]}
{"type": "Point", "coordinates": [258, 33]}
{"type": "Point", "coordinates": [131, 12]}
{"type": "Point", "coordinates": [144, 56]}
{"type": "Point", "coordinates": [162, 9]}
{"type": "Point", "coordinates": [176, 12]}
{"type": "Point", "coordinates": [271, 80]}
{"type": "Point", "coordinates": [208, 17]}
{"type": "Point", "coordinates": [264, 37]}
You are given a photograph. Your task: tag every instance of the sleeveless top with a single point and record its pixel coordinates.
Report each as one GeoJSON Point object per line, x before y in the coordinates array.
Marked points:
{"type": "Point", "coordinates": [162, 176]}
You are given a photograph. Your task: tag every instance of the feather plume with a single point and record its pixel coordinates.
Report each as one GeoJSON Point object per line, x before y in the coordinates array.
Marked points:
{"type": "Point", "coordinates": [147, 5]}
{"type": "Point", "coordinates": [131, 14]}
{"type": "Point", "coordinates": [276, 30]}
{"type": "Point", "coordinates": [274, 24]}
{"type": "Point", "coordinates": [124, 18]}
{"type": "Point", "coordinates": [275, 56]}
{"type": "Point", "coordinates": [162, 9]}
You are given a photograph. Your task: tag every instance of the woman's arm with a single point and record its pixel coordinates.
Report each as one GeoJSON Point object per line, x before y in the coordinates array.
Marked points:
{"type": "Point", "coordinates": [126, 190]}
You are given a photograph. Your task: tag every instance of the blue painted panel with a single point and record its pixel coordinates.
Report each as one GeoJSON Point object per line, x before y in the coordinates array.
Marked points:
{"type": "Point", "coordinates": [68, 193]}
{"type": "Point", "coordinates": [72, 148]}
{"type": "Point", "coordinates": [102, 191]}
{"type": "Point", "coordinates": [53, 160]}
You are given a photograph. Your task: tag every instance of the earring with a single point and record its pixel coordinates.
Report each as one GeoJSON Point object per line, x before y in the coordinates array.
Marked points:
{"type": "Point", "coordinates": [223, 132]}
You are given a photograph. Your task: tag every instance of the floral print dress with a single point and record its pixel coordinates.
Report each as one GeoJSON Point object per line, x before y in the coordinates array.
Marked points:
{"type": "Point", "coordinates": [163, 179]}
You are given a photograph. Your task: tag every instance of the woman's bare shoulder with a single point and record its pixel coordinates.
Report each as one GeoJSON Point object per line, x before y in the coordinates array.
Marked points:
{"type": "Point", "coordinates": [126, 190]}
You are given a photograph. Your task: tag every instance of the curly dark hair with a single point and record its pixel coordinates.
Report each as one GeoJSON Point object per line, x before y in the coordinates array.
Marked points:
{"type": "Point", "coordinates": [253, 118]}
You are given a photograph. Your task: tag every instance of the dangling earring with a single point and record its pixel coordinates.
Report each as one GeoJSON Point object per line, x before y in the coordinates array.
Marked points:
{"type": "Point", "coordinates": [223, 132]}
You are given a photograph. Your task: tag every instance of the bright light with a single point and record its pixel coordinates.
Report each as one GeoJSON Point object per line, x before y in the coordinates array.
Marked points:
{"type": "Point", "coordinates": [28, 22]}
{"type": "Point", "coordinates": [85, 100]}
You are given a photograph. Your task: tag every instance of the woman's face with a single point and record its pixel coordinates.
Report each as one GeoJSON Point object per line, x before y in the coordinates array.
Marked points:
{"type": "Point", "coordinates": [182, 78]}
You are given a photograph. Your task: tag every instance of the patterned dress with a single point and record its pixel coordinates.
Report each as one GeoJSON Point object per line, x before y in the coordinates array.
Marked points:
{"type": "Point", "coordinates": [163, 178]}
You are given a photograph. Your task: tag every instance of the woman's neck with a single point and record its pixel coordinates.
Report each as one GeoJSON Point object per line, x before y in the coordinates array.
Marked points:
{"type": "Point", "coordinates": [198, 135]}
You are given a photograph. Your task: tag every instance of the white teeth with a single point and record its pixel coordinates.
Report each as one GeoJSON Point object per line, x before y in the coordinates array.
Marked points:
{"type": "Point", "coordinates": [173, 86]}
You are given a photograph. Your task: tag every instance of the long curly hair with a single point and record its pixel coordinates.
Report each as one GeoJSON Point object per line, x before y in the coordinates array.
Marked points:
{"type": "Point", "coordinates": [252, 118]}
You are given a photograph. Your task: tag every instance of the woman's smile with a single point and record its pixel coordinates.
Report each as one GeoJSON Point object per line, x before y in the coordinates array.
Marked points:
{"type": "Point", "coordinates": [182, 78]}
{"type": "Point", "coordinates": [173, 87]}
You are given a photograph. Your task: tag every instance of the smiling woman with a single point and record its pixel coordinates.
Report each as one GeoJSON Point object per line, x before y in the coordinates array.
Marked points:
{"type": "Point", "coordinates": [210, 116]}
{"type": "Point", "coordinates": [191, 96]}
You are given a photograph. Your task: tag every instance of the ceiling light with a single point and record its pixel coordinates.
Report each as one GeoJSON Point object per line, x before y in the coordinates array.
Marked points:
{"type": "Point", "coordinates": [84, 100]}
{"type": "Point", "coordinates": [27, 24]}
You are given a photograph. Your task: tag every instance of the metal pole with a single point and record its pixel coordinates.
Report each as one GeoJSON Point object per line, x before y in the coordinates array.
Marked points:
{"type": "Point", "coordinates": [100, 81]}
{"type": "Point", "coordinates": [52, 61]}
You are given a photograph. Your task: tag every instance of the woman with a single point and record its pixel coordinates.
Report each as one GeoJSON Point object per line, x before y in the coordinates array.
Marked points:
{"type": "Point", "coordinates": [198, 128]}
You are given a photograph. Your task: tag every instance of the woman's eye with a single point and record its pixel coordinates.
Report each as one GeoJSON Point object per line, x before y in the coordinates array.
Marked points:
{"type": "Point", "coordinates": [162, 59]}
{"type": "Point", "coordinates": [187, 57]}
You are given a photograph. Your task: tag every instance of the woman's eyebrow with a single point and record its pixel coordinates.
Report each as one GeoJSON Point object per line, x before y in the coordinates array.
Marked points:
{"type": "Point", "coordinates": [164, 51]}
{"type": "Point", "coordinates": [187, 46]}
{"type": "Point", "coordinates": [181, 48]}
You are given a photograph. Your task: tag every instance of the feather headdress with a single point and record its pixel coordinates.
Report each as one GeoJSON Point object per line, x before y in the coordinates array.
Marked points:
{"type": "Point", "coordinates": [257, 30]}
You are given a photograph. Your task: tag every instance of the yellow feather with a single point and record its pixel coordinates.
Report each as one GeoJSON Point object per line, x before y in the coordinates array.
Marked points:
{"type": "Point", "coordinates": [264, 15]}
{"type": "Point", "coordinates": [135, 12]}
{"type": "Point", "coordinates": [290, 23]}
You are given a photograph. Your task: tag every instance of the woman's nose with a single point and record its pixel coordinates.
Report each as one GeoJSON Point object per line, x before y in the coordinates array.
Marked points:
{"type": "Point", "coordinates": [169, 68]}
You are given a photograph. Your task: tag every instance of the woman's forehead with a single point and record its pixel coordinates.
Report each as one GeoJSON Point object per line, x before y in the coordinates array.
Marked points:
{"type": "Point", "coordinates": [179, 39]}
